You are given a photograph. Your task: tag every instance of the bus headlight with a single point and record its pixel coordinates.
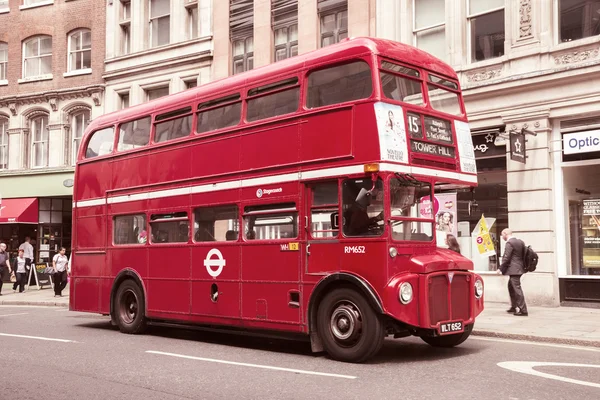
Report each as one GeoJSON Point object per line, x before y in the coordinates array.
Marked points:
{"type": "Point", "coordinates": [393, 252]}
{"type": "Point", "coordinates": [478, 288]}
{"type": "Point", "coordinates": [405, 293]}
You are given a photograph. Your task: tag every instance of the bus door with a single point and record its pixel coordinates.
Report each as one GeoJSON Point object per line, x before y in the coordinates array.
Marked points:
{"type": "Point", "coordinates": [323, 245]}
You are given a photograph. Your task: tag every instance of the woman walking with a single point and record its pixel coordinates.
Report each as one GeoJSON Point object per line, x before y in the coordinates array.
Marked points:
{"type": "Point", "coordinates": [59, 263]}
{"type": "Point", "coordinates": [20, 266]}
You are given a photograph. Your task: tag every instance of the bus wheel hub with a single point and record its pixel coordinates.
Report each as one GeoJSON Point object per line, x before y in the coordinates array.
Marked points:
{"type": "Point", "coordinates": [345, 322]}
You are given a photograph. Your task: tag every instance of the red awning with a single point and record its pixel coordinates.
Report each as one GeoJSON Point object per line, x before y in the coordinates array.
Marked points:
{"type": "Point", "coordinates": [19, 211]}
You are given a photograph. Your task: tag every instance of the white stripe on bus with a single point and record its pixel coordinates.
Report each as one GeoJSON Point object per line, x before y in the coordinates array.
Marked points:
{"type": "Point", "coordinates": [274, 179]}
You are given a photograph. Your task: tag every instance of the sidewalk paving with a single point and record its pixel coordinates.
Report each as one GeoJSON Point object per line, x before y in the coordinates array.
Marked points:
{"type": "Point", "coordinates": [565, 325]}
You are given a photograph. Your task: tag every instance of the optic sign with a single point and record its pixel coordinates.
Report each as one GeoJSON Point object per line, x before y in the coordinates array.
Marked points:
{"type": "Point", "coordinates": [581, 142]}
{"type": "Point", "coordinates": [219, 262]}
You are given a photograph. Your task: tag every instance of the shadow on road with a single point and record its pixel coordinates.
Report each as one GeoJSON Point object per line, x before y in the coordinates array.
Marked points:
{"type": "Point", "coordinates": [413, 350]}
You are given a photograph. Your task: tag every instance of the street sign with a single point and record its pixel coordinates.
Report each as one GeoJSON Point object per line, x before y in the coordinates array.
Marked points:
{"type": "Point", "coordinates": [518, 152]}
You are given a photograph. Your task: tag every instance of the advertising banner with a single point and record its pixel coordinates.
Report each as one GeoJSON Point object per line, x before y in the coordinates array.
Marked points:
{"type": "Point", "coordinates": [392, 133]}
{"type": "Point", "coordinates": [485, 244]}
{"type": "Point", "coordinates": [443, 211]}
{"type": "Point", "coordinates": [590, 227]}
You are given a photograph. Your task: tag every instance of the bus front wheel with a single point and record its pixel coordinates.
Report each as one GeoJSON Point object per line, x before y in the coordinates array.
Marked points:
{"type": "Point", "coordinates": [348, 326]}
{"type": "Point", "coordinates": [129, 308]}
{"type": "Point", "coordinates": [449, 340]}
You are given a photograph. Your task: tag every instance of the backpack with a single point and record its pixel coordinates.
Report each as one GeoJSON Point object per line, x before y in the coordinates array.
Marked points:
{"type": "Point", "coordinates": [530, 259]}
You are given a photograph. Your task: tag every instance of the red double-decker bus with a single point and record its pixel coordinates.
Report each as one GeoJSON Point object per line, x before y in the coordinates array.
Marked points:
{"type": "Point", "coordinates": [287, 199]}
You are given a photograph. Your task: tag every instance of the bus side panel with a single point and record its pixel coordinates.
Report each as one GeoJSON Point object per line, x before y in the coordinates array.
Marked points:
{"type": "Point", "coordinates": [327, 135]}
{"type": "Point", "coordinates": [93, 180]}
{"type": "Point", "coordinates": [91, 233]}
{"type": "Point", "coordinates": [168, 282]}
{"type": "Point", "coordinates": [271, 146]}
{"type": "Point", "coordinates": [86, 282]}
{"type": "Point", "coordinates": [169, 165]}
{"type": "Point", "coordinates": [138, 163]}
{"type": "Point", "coordinates": [221, 156]}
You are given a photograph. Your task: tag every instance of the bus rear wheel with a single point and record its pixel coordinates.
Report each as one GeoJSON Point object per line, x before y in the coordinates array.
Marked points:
{"type": "Point", "coordinates": [348, 326]}
{"type": "Point", "coordinates": [449, 340]}
{"type": "Point", "coordinates": [129, 308]}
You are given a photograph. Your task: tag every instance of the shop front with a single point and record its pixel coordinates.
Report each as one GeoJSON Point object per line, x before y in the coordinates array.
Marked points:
{"type": "Point", "coordinates": [579, 229]}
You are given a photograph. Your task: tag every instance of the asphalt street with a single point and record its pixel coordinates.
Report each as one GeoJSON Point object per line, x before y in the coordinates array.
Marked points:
{"type": "Point", "coordinates": [52, 353]}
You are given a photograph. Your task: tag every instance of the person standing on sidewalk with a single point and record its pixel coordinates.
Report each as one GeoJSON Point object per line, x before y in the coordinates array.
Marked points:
{"type": "Point", "coordinates": [28, 249]}
{"type": "Point", "coordinates": [59, 263]}
{"type": "Point", "coordinates": [512, 265]}
{"type": "Point", "coordinates": [20, 267]}
{"type": "Point", "coordinates": [4, 261]}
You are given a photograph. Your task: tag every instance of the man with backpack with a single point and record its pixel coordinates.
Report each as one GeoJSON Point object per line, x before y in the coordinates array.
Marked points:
{"type": "Point", "coordinates": [513, 265]}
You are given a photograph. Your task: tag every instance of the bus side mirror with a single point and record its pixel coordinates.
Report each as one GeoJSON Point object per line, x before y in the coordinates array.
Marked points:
{"type": "Point", "coordinates": [335, 220]}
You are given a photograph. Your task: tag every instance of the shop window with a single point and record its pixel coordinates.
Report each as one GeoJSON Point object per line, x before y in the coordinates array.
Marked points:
{"type": "Point", "coordinates": [170, 228]}
{"type": "Point", "coordinates": [270, 222]}
{"type": "Point", "coordinates": [362, 208]}
{"type": "Point", "coordinates": [134, 134]}
{"type": "Point", "coordinates": [130, 229]}
{"type": "Point", "coordinates": [429, 29]}
{"type": "Point", "coordinates": [486, 23]}
{"type": "Point", "coordinates": [578, 19]}
{"type": "Point", "coordinates": [216, 224]}
{"type": "Point", "coordinates": [339, 84]}
{"type": "Point", "coordinates": [324, 216]}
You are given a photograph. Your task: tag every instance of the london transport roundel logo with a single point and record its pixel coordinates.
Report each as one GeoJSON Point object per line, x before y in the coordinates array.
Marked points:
{"type": "Point", "coordinates": [259, 193]}
{"type": "Point", "coordinates": [218, 262]}
{"type": "Point", "coordinates": [479, 240]}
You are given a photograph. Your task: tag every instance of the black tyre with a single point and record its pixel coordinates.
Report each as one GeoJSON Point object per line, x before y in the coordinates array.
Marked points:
{"type": "Point", "coordinates": [348, 326]}
{"type": "Point", "coordinates": [449, 340]}
{"type": "Point", "coordinates": [129, 308]}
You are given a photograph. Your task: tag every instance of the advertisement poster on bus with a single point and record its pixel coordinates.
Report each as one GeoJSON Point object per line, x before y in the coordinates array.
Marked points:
{"type": "Point", "coordinates": [485, 244]}
{"type": "Point", "coordinates": [590, 226]}
{"type": "Point", "coordinates": [392, 133]}
{"type": "Point", "coordinates": [443, 211]}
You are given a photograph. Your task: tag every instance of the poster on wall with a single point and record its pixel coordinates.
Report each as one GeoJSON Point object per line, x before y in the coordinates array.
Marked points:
{"type": "Point", "coordinates": [590, 231]}
{"type": "Point", "coordinates": [485, 244]}
{"type": "Point", "coordinates": [443, 211]}
{"type": "Point", "coordinates": [392, 134]}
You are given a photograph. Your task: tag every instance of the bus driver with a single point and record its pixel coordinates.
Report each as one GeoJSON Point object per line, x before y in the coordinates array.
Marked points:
{"type": "Point", "coordinates": [359, 220]}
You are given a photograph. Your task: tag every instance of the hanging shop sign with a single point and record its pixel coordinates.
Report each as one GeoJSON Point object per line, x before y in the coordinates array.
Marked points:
{"type": "Point", "coordinates": [518, 152]}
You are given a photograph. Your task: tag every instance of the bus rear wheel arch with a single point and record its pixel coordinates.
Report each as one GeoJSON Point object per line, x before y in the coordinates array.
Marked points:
{"type": "Point", "coordinates": [129, 311]}
{"type": "Point", "coordinates": [348, 327]}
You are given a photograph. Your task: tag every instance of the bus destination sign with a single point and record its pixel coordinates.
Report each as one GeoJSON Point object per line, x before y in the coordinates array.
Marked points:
{"type": "Point", "coordinates": [432, 149]}
{"type": "Point", "coordinates": [438, 130]}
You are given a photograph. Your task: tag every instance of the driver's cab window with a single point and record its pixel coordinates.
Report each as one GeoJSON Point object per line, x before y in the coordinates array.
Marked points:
{"type": "Point", "coordinates": [362, 207]}
{"type": "Point", "coordinates": [324, 210]}
{"type": "Point", "coordinates": [410, 207]}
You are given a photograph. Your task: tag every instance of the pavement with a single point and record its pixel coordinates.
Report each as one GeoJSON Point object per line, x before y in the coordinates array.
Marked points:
{"type": "Point", "coordinates": [563, 325]}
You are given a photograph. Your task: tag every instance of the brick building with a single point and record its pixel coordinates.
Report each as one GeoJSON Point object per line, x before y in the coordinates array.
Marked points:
{"type": "Point", "coordinates": [51, 85]}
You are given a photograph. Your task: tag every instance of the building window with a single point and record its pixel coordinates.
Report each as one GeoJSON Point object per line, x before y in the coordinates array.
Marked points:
{"type": "Point", "coordinates": [3, 144]}
{"type": "Point", "coordinates": [39, 132]}
{"type": "Point", "coordinates": [3, 61]}
{"type": "Point", "coordinates": [284, 15]}
{"type": "Point", "coordinates": [125, 24]}
{"type": "Point", "coordinates": [243, 55]}
{"type": "Point", "coordinates": [79, 122]}
{"type": "Point", "coordinates": [155, 93]}
{"type": "Point", "coordinates": [192, 19]}
{"type": "Point", "coordinates": [334, 21]}
{"type": "Point", "coordinates": [486, 23]}
{"type": "Point", "coordinates": [160, 22]}
{"type": "Point", "coordinates": [578, 19]}
{"type": "Point", "coordinates": [429, 29]}
{"type": "Point", "coordinates": [192, 83]}
{"type": "Point", "coordinates": [4, 5]}
{"type": "Point", "coordinates": [37, 57]}
{"type": "Point", "coordinates": [80, 50]}
{"type": "Point", "coordinates": [123, 100]}
{"type": "Point", "coordinates": [32, 2]}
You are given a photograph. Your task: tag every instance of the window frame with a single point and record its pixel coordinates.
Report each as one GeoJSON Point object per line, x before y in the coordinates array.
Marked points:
{"type": "Point", "coordinates": [270, 88]}
{"type": "Point", "coordinates": [231, 206]}
{"type": "Point", "coordinates": [338, 31]}
{"type": "Point", "coordinates": [45, 143]}
{"type": "Point", "coordinates": [125, 27]}
{"type": "Point", "coordinates": [76, 141]}
{"type": "Point", "coordinates": [289, 44]}
{"type": "Point", "coordinates": [270, 209]}
{"type": "Point", "coordinates": [71, 51]}
{"type": "Point", "coordinates": [174, 219]}
{"type": "Point", "coordinates": [38, 57]}
{"type": "Point", "coordinates": [190, 8]}
{"type": "Point", "coordinates": [247, 56]}
{"type": "Point", "coordinates": [91, 136]}
{"type": "Point", "coordinates": [172, 115]}
{"type": "Point", "coordinates": [147, 91]}
{"type": "Point", "coordinates": [117, 133]}
{"type": "Point", "coordinates": [430, 28]}
{"type": "Point", "coordinates": [470, 17]}
{"type": "Point", "coordinates": [4, 63]}
{"type": "Point", "coordinates": [418, 78]}
{"type": "Point", "coordinates": [4, 143]}
{"type": "Point", "coordinates": [138, 243]}
{"type": "Point", "coordinates": [213, 104]}
{"type": "Point", "coordinates": [558, 10]}
{"type": "Point", "coordinates": [323, 207]}
{"type": "Point", "coordinates": [388, 196]}
{"type": "Point", "coordinates": [152, 19]}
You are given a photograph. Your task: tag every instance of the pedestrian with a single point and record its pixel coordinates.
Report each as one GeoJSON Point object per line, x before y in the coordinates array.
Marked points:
{"type": "Point", "coordinates": [20, 267]}
{"type": "Point", "coordinates": [513, 266]}
{"type": "Point", "coordinates": [59, 263]}
{"type": "Point", "coordinates": [28, 249]}
{"type": "Point", "coordinates": [452, 243]}
{"type": "Point", "coordinates": [4, 263]}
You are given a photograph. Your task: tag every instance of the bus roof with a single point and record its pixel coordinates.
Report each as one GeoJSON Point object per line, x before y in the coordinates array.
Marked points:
{"type": "Point", "coordinates": [347, 48]}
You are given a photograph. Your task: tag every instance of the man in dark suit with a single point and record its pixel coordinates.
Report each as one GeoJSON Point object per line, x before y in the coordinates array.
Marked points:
{"type": "Point", "coordinates": [512, 265]}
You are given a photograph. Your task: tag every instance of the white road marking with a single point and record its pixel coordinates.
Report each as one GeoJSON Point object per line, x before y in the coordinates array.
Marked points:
{"type": "Point", "coordinates": [527, 367]}
{"type": "Point", "coordinates": [12, 315]}
{"type": "Point", "coordinates": [297, 371]}
{"type": "Point", "coordinates": [529, 343]}
{"type": "Point", "coordinates": [62, 310]}
{"type": "Point", "coordinates": [38, 338]}
{"type": "Point", "coordinates": [22, 306]}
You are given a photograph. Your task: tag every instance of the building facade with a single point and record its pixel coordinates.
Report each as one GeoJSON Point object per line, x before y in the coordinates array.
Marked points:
{"type": "Point", "coordinates": [155, 48]}
{"type": "Point", "coordinates": [51, 85]}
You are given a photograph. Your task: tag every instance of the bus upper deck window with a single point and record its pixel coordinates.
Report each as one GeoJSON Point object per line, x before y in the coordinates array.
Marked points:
{"type": "Point", "coordinates": [443, 99]}
{"type": "Point", "coordinates": [339, 84]}
{"type": "Point", "coordinates": [100, 143]}
{"type": "Point", "coordinates": [134, 134]}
